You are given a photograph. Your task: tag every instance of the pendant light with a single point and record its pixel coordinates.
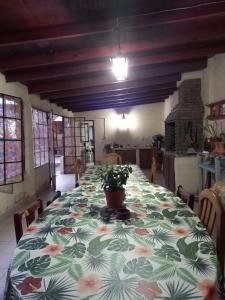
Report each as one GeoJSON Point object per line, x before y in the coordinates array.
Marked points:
{"type": "Point", "coordinates": [119, 62]}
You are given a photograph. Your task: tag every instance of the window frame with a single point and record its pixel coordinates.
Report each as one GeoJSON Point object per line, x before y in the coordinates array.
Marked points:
{"type": "Point", "coordinates": [22, 161]}
{"type": "Point", "coordinates": [40, 138]}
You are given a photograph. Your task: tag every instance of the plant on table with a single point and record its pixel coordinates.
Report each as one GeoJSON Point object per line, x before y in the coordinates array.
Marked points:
{"type": "Point", "coordinates": [215, 136]}
{"type": "Point", "coordinates": [113, 178]}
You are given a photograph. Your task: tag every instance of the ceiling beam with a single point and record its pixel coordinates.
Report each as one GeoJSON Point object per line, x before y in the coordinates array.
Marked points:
{"type": "Point", "coordinates": [74, 69]}
{"type": "Point", "coordinates": [128, 96]}
{"type": "Point", "coordinates": [120, 87]}
{"type": "Point", "coordinates": [51, 86]}
{"type": "Point", "coordinates": [187, 37]}
{"type": "Point", "coordinates": [128, 92]}
{"type": "Point", "coordinates": [114, 105]}
{"type": "Point", "coordinates": [200, 11]}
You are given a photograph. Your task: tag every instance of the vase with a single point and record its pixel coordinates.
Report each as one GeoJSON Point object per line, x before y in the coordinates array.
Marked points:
{"type": "Point", "coordinates": [115, 199]}
{"type": "Point", "coordinates": [219, 148]}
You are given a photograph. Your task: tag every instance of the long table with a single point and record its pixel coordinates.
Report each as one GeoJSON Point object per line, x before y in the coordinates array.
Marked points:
{"type": "Point", "coordinates": [162, 252]}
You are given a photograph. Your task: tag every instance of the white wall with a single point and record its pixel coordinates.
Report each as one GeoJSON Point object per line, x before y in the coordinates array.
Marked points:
{"type": "Point", "coordinates": [34, 179]}
{"type": "Point", "coordinates": [144, 121]}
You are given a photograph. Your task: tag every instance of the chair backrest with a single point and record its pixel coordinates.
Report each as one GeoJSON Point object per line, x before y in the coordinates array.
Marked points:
{"type": "Point", "coordinates": [212, 216]}
{"type": "Point", "coordinates": [153, 170]}
{"type": "Point", "coordinates": [185, 196]}
{"type": "Point", "coordinates": [112, 159]}
{"type": "Point", "coordinates": [29, 215]}
{"type": "Point", "coordinates": [77, 169]}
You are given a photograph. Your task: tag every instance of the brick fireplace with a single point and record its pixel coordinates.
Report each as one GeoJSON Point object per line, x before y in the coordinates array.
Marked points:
{"type": "Point", "coordinates": [183, 126]}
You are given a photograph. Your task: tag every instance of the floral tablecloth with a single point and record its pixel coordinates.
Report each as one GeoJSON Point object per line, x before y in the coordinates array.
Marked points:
{"type": "Point", "coordinates": [162, 252]}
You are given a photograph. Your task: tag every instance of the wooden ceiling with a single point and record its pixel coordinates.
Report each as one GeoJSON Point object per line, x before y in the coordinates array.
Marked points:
{"type": "Point", "coordinates": [61, 49]}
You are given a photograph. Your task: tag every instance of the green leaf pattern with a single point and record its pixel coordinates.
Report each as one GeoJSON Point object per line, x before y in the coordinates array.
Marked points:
{"type": "Point", "coordinates": [162, 252]}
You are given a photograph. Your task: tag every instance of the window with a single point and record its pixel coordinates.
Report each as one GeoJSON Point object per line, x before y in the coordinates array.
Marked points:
{"type": "Point", "coordinates": [40, 137]}
{"type": "Point", "coordinates": [11, 144]}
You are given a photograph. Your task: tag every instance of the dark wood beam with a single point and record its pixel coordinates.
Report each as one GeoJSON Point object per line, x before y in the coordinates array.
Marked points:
{"type": "Point", "coordinates": [185, 37]}
{"type": "Point", "coordinates": [51, 86]}
{"type": "Point", "coordinates": [200, 11]}
{"type": "Point", "coordinates": [119, 97]}
{"type": "Point", "coordinates": [120, 87]}
{"type": "Point", "coordinates": [113, 105]}
{"type": "Point", "coordinates": [74, 69]}
{"type": "Point", "coordinates": [117, 87]}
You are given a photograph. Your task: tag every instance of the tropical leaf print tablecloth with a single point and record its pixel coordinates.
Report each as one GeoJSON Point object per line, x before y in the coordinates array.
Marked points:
{"type": "Point", "coordinates": [162, 252]}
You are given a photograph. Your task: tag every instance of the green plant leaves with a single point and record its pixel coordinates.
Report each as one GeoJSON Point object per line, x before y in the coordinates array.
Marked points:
{"type": "Point", "coordinates": [32, 244]}
{"type": "Point", "coordinates": [140, 266]}
{"type": "Point", "coordinates": [20, 259]}
{"type": "Point", "coordinates": [168, 252]}
{"type": "Point", "coordinates": [77, 250]}
{"type": "Point", "coordinates": [163, 272]}
{"type": "Point", "coordinates": [120, 245]}
{"type": "Point", "coordinates": [75, 271]}
{"type": "Point", "coordinates": [169, 214]}
{"type": "Point", "coordinates": [207, 248]}
{"type": "Point", "coordinates": [186, 276]}
{"type": "Point", "coordinates": [37, 265]}
{"type": "Point", "coordinates": [66, 222]}
{"type": "Point", "coordinates": [188, 250]}
{"type": "Point", "coordinates": [96, 245]}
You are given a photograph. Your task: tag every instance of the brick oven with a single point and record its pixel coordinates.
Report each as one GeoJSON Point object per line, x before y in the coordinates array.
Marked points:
{"type": "Point", "coordinates": [183, 126]}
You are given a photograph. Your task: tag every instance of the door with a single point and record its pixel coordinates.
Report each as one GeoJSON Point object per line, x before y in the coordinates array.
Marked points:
{"type": "Point", "coordinates": [74, 143]}
{"type": "Point", "coordinates": [51, 151]}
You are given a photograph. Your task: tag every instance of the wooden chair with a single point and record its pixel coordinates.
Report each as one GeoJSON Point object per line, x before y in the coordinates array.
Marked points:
{"type": "Point", "coordinates": [212, 216]}
{"type": "Point", "coordinates": [112, 159]}
{"type": "Point", "coordinates": [153, 170]}
{"type": "Point", "coordinates": [77, 171]}
{"type": "Point", "coordinates": [185, 196]}
{"type": "Point", "coordinates": [29, 215]}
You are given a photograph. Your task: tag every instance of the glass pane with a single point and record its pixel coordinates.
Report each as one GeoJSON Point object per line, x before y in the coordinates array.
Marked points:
{"type": "Point", "coordinates": [12, 129]}
{"type": "Point", "coordinates": [46, 144]}
{"type": "Point", "coordinates": [13, 151]}
{"type": "Point", "coordinates": [42, 158]}
{"type": "Point", "coordinates": [37, 145]}
{"type": "Point", "coordinates": [12, 107]}
{"type": "Point", "coordinates": [1, 106]}
{"type": "Point", "coordinates": [13, 172]}
{"type": "Point", "coordinates": [1, 174]}
{"type": "Point", "coordinates": [35, 131]}
{"type": "Point", "coordinates": [45, 118]}
{"type": "Point", "coordinates": [40, 117]}
{"type": "Point", "coordinates": [46, 157]}
{"type": "Point", "coordinates": [69, 151]}
{"type": "Point", "coordinates": [1, 152]}
{"type": "Point", "coordinates": [37, 159]}
{"type": "Point", "coordinates": [45, 131]}
{"type": "Point", "coordinates": [35, 115]}
{"type": "Point", "coordinates": [1, 128]}
{"type": "Point", "coordinates": [42, 144]}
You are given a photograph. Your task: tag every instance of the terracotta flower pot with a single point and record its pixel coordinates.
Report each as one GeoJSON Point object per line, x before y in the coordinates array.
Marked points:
{"type": "Point", "coordinates": [115, 199]}
{"type": "Point", "coordinates": [219, 148]}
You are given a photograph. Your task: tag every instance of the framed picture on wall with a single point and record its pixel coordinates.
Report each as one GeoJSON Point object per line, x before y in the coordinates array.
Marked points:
{"type": "Point", "coordinates": [84, 132]}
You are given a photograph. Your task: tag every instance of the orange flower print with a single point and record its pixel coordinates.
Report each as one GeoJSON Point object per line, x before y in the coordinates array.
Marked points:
{"type": "Point", "coordinates": [140, 215]}
{"type": "Point", "coordinates": [180, 231]}
{"type": "Point", "coordinates": [75, 214]}
{"type": "Point", "coordinates": [103, 229]}
{"type": "Point", "coordinates": [166, 205]}
{"type": "Point", "coordinates": [29, 285]}
{"type": "Point", "coordinates": [141, 231]}
{"type": "Point", "coordinates": [82, 205]}
{"type": "Point", "coordinates": [89, 284]}
{"type": "Point", "coordinates": [144, 251]}
{"type": "Point", "coordinates": [32, 229]}
{"type": "Point", "coordinates": [137, 205]}
{"type": "Point", "coordinates": [149, 289]}
{"type": "Point", "coordinates": [208, 289]}
{"type": "Point", "coordinates": [53, 249]}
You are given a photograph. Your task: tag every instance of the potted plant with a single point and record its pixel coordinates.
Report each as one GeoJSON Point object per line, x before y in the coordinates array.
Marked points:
{"type": "Point", "coordinates": [217, 140]}
{"type": "Point", "coordinates": [113, 179]}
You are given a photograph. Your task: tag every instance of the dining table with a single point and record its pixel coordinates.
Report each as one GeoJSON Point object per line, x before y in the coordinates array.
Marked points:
{"type": "Point", "coordinates": [72, 251]}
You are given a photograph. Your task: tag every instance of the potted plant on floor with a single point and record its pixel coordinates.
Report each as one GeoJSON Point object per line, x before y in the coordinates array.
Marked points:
{"type": "Point", "coordinates": [113, 179]}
